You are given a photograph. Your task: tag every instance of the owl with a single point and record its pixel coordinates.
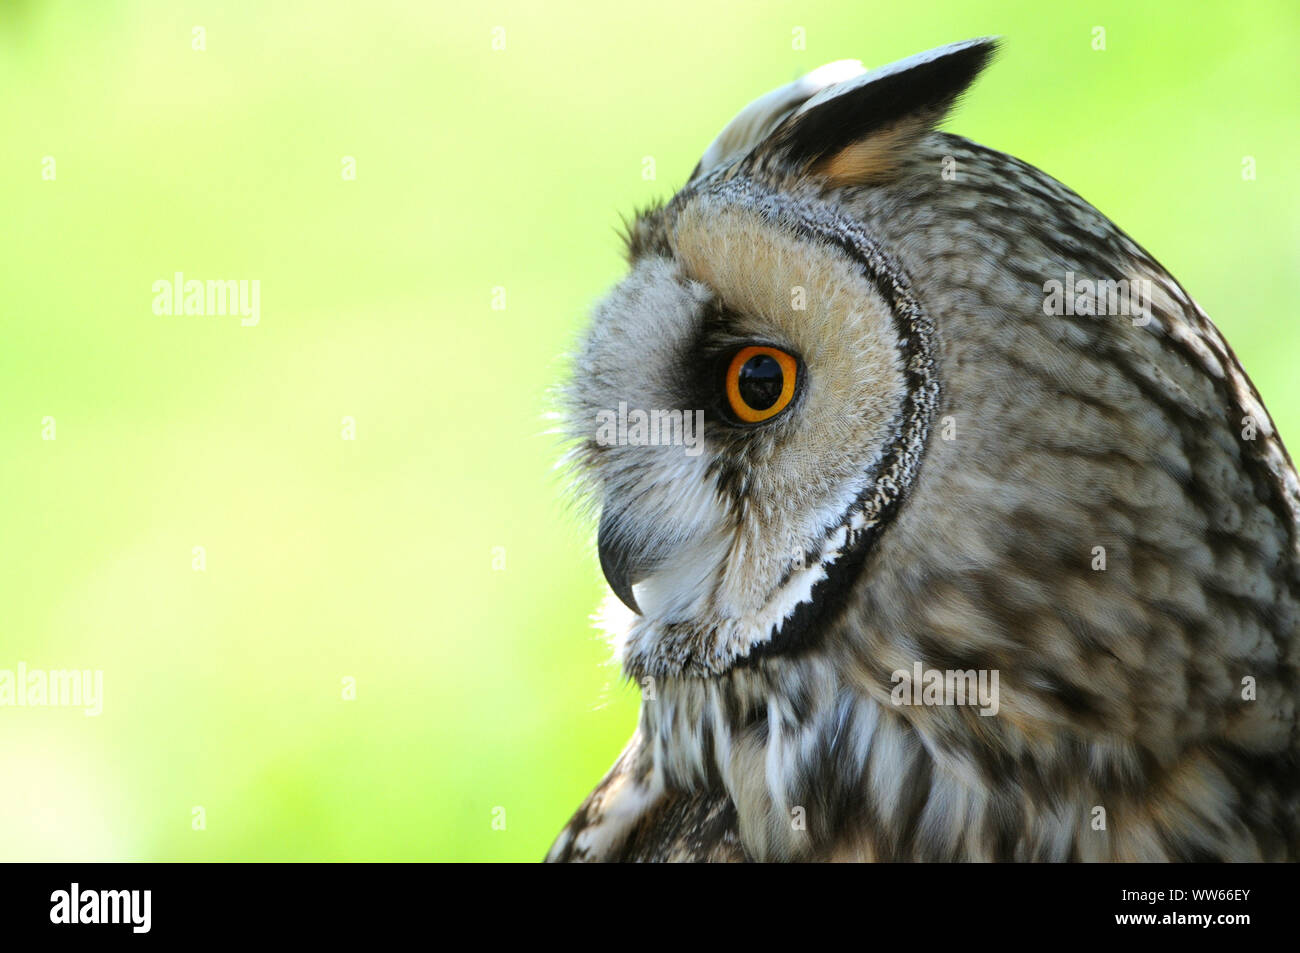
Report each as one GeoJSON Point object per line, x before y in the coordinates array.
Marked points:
{"type": "Point", "coordinates": [941, 523]}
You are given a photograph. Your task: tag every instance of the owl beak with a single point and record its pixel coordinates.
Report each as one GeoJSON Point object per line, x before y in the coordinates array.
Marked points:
{"type": "Point", "coordinates": [616, 562]}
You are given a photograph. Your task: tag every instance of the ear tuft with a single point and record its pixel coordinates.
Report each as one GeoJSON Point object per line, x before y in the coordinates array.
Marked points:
{"type": "Point", "coordinates": [855, 132]}
{"type": "Point", "coordinates": [756, 121]}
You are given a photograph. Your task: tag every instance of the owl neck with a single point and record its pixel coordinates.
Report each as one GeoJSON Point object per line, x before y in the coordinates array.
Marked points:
{"type": "Point", "coordinates": [796, 750]}
{"type": "Point", "coordinates": [820, 769]}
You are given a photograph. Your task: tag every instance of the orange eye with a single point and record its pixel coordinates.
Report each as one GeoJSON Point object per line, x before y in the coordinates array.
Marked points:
{"type": "Point", "coordinates": [760, 382]}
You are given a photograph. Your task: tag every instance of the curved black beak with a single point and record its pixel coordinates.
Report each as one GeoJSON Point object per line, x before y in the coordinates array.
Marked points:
{"type": "Point", "coordinates": [616, 562]}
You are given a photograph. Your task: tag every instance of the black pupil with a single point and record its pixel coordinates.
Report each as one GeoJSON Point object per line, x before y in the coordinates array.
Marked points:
{"type": "Point", "coordinates": [761, 380]}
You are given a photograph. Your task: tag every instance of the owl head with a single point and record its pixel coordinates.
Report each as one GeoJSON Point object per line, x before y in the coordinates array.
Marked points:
{"type": "Point", "coordinates": [752, 403]}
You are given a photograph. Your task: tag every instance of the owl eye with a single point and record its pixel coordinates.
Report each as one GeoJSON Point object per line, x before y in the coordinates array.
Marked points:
{"type": "Point", "coordinates": [760, 382]}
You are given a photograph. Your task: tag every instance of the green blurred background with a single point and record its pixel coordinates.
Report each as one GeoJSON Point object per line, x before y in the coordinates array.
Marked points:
{"type": "Point", "coordinates": [477, 687]}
